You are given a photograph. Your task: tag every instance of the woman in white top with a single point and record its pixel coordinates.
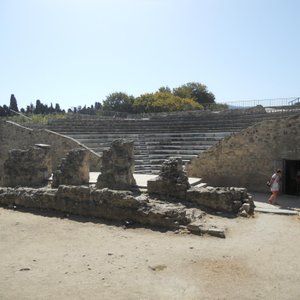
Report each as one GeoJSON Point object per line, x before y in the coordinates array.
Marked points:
{"type": "Point", "coordinates": [275, 186]}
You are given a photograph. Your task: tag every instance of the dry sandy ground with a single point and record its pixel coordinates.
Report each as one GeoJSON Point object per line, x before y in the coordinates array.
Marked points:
{"type": "Point", "coordinates": [49, 257]}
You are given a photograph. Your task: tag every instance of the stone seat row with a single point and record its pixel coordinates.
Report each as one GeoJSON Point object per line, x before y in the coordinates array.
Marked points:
{"type": "Point", "coordinates": [201, 119]}
{"type": "Point", "coordinates": [159, 137]}
{"type": "Point", "coordinates": [151, 125]}
{"type": "Point", "coordinates": [152, 151]}
{"type": "Point", "coordinates": [147, 130]}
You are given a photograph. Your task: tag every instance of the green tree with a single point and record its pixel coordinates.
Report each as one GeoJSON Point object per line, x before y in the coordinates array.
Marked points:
{"type": "Point", "coordinates": [196, 91]}
{"type": "Point", "coordinates": [39, 107]}
{"type": "Point", "coordinates": [13, 103]}
{"type": "Point", "coordinates": [163, 102]}
{"type": "Point", "coordinates": [51, 109]}
{"type": "Point", "coordinates": [30, 109]}
{"type": "Point", "coordinates": [4, 111]}
{"type": "Point", "coordinates": [118, 101]}
{"type": "Point", "coordinates": [57, 108]}
{"type": "Point", "coordinates": [164, 89]}
{"type": "Point", "coordinates": [98, 106]}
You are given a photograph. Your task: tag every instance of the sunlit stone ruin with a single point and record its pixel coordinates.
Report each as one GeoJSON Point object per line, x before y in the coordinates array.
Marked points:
{"type": "Point", "coordinates": [117, 166]}
{"type": "Point", "coordinates": [73, 170]}
{"type": "Point", "coordinates": [167, 171]}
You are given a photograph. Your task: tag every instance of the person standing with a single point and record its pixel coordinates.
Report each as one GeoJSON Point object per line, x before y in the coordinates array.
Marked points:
{"type": "Point", "coordinates": [275, 186]}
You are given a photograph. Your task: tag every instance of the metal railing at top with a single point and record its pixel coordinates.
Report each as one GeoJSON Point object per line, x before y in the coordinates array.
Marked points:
{"type": "Point", "coordinates": [277, 102]}
{"type": "Point", "coordinates": [295, 101]}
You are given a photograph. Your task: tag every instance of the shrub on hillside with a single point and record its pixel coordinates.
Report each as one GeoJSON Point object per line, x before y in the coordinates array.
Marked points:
{"type": "Point", "coordinates": [163, 102]}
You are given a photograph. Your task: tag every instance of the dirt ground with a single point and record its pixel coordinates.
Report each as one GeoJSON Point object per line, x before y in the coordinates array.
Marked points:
{"type": "Point", "coordinates": [51, 257]}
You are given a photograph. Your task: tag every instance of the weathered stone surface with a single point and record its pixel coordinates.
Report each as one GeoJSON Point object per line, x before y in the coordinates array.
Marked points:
{"type": "Point", "coordinates": [43, 198]}
{"type": "Point", "coordinates": [200, 229]}
{"type": "Point", "coordinates": [171, 182]}
{"type": "Point", "coordinates": [220, 198]}
{"type": "Point", "coordinates": [244, 210]}
{"type": "Point", "coordinates": [31, 167]}
{"type": "Point", "coordinates": [73, 170]}
{"type": "Point", "coordinates": [101, 203]}
{"type": "Point", "coordinates": [121, 206]}
{"type": "Point", "coordinates": [15, 136]}
{"type": "Point", "coordinates": [117, 166]}
{"type": "Point", "coordinates": [246, 159]}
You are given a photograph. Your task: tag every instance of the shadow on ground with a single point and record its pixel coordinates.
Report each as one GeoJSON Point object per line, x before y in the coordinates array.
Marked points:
{"type": "Point", "coordinates": [284, 201]}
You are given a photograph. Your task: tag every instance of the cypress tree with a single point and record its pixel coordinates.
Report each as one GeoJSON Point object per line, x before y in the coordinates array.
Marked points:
{"type": "Point", "coordinates": [13, 103]}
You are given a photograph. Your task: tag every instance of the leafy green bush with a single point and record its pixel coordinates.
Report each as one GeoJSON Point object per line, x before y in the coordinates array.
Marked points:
{"type": "Point", "coordinates": [163, 102]}
{"type": "Point", "coordinates": [118, 101]}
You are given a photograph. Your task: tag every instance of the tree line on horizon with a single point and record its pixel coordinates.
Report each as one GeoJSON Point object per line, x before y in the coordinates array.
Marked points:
{"type": "Point", "coordinates": [190, 96]}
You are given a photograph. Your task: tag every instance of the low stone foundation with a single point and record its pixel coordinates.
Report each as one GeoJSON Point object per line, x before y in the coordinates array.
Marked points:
{"type": "Point", "coordinates": [112, 205]}
{"type": "Point", "coordinates": [223, 199]}
{"type": "Point", "coordinates": [123, 206]}
{"type": "Point", "coordinates": [172, 185]}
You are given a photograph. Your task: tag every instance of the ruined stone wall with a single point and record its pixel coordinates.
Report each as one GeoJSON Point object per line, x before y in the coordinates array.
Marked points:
{"type": "Point", "coordinates": [14, 136]}
{"type": "Point", "coordinates": [248, 159]}
{"type": "Point", "coordinates": [31, 167]}
{"type": "Point", "coordinates": [126, 207]}
{"type": "Point", "coordinates": [103, 203]}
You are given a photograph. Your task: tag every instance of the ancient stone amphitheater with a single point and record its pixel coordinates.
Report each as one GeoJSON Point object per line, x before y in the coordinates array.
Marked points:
{"type": "Point", "coordinates": [160, 136]}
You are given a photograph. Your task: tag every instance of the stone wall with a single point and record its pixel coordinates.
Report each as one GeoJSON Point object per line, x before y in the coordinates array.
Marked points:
{"type": "Point", "coordinates": [247, 159]}
{"type": "Point", "coordinates": [128, 208]}
{"type": "Point", "coordinates": [14, 136]}
{"type": "Point", "coordinates": [31, 167]}
{"type": "Point", "coordinates": [229, 200]}
{"type": "Point", "coordinates": [101, 203]}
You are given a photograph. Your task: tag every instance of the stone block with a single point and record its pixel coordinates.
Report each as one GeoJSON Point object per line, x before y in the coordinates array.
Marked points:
{"type": "Point", "coordinates": [171, 182]}
{"type": "Point", "coordinates": [200, 229]}
{"type": "Point", "coordinates": [31, 167]}
{"type": "Point", "coordinates": [117, 167]}
{"type": "Point", "coordinates": [73, 170]}
{"type": "Point", "coordinates": [218, 198]}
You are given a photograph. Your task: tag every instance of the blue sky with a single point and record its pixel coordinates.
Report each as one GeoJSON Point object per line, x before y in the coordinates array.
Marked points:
{"type": "Point", "coordinates": [76, 52]}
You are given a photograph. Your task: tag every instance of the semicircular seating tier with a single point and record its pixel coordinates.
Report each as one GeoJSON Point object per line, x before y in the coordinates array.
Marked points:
{"type": "Point", "coordinates": [159, 136]}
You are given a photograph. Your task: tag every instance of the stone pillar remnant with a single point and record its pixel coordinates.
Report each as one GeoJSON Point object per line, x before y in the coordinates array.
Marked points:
{"type": "Point", "coordinates": [172, 181]}
{"type": "Point", "coordinates": [30, 167]}
{"type": "Point", "coordinates": [117, 166]}
{"type": "Point", "coordinates": [73, 170]}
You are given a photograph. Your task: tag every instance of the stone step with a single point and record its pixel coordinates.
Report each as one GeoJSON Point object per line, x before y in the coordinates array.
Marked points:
{"type": "Point", "coordinates": [158, 136]}
{"type": "Point", "coordinates": [159, 159]}
{"type": "Point", "coordinates": [124, 130]}
{"type": "Point", "coordinates": [175, 152]}
{"type": "Point", "coordinates": [169, 121]}
{"type": "Point", "coordinates": [153, 140]}
{"type": "Point", "coordinates": [153, 143]}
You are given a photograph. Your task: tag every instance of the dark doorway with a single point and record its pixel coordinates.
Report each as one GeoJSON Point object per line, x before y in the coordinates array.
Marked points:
{"type": "Point", "coordinates": [292, 177]}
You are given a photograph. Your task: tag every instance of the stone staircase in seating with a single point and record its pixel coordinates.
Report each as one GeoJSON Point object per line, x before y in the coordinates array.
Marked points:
{"type": "Point", "coordinates": [160, 136]}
